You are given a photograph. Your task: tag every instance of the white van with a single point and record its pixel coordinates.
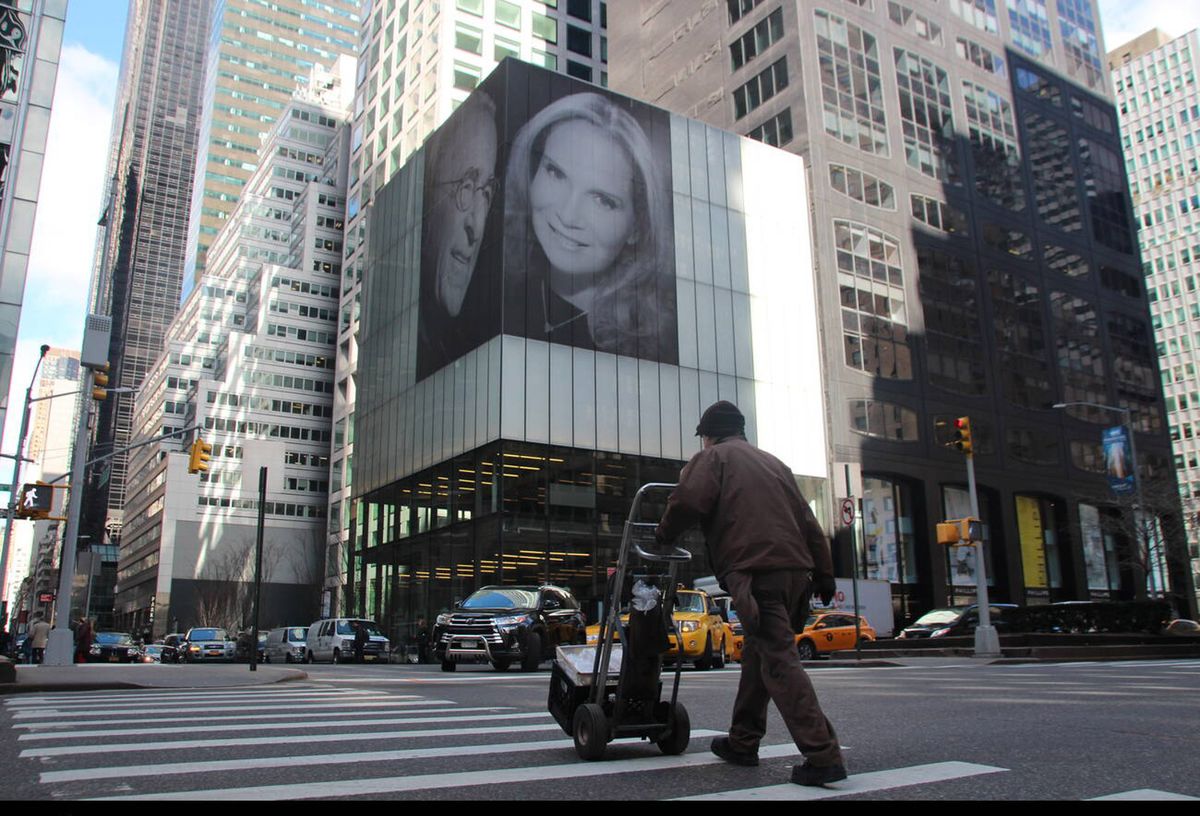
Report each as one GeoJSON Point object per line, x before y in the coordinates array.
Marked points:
{"type": "Point", "coordinates": [286, 644]}
{"type": "Point", "coordinates": [332, 639]}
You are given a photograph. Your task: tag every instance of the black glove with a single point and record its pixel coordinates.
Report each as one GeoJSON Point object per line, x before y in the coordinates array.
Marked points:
{"type": "Point", "coordinates": [825, 588]}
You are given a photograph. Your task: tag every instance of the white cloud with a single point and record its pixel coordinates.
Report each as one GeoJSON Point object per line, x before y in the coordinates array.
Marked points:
{"type": "Point", "coordinates": [1122, 20]}
{"type": "Point", "coordinates": [69, 202]}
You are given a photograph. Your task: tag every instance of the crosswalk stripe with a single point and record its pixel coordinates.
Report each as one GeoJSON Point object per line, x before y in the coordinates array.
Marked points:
{"type": "Point", "coordinates": [400, 784]}
{"type": "Point", "coordinates": [381, 708]}
{"type": "Point", "coordinates": [130, 702]}
{"type": "Point", "coordinates": [382, 702]}
{"type": "Point", "coordinates": [302, 739]}
{"type": "Point", "coordinates": [47, 713]}
{"type": "Point", "coordinates": [66, 697]}
{"type": "Point", "coordinates": [1145, 795]}
{"type": "Point", "coordinates": [353, 758]}
{"type": "Point", "coordinates": [191, 729]}
{"type": "Point", "coordinates": [855, 784]}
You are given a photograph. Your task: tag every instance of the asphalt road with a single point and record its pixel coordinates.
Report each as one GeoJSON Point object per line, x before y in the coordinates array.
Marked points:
{"type": "Point", "coordinates": [941, 730]}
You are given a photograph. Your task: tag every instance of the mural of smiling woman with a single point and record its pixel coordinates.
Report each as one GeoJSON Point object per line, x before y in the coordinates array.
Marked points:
{"type": "Point", "coordinates": [588, 237]}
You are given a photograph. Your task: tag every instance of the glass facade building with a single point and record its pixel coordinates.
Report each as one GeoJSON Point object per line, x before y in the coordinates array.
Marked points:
{"type": "Point", "coordinates": [975, 255]}
{"type": "Point", "coordinates": [516, 400]}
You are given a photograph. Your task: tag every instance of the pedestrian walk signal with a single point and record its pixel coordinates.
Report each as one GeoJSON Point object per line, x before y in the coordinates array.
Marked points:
{"type": "Point", "coordinates": [201, 452]}
{"type": "Point", "coordinates": [35, 501]}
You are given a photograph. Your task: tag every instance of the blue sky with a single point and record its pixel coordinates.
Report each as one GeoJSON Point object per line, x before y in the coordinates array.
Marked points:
{"type": "Point", "coordinates": [73, 179]}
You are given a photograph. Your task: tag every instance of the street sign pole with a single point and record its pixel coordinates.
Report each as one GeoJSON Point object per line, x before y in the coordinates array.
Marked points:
{"type": "Point", "coordinates": [258, 550]}
{"type": "Point", "coordinates": [854, 565]}
{"type": "Point", "coordinates": [987, 642]}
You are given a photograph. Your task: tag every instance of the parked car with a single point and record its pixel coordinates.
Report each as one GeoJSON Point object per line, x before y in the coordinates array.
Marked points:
{"type": "Point", "coordinates": [1183, 627]}
{"type": "Point", "coordinates": [332, 639]}
{"type": "Point", "coordinates": [286, 644]}
{"type": "Point", "coordinates": [954, 621]}
{"type": "Point", "coordinates": [208, 645]}
{"type": "Point", "coordinates": [706, 639]}
{"type": "Point", "coordinates": [158, 653]}
{"type": "Point", "coordinates": [114, 647]}
{"type": "Point", "coordinates": [826, 632]}
{"type": "Point", "coordinates": [503, 625]}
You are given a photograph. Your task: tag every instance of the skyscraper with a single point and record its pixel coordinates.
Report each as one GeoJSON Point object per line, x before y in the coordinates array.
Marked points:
{"type": "Point", "coordinates": [1154, 78]}
{"type": "Point", "coordinates": [418, 61]}
{"type": "Point", "coordinates": [248, 359]}
{"type": "Point", "coordinates": [258, 53]}
{"type": "Point", "coordinates": [140, 249]}
{"type": "Point", "coordinates": [976, 256]}
{"type": "Point", "coordinates": [30, 42]}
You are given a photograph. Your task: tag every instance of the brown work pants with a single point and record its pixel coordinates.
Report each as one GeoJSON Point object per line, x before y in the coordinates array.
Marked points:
{"type": "Point", "coordinates": [771, 668]}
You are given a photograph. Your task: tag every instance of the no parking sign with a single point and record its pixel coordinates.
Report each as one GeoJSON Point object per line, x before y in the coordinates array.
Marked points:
{"type": "Point", "coordinates": [847, 513]}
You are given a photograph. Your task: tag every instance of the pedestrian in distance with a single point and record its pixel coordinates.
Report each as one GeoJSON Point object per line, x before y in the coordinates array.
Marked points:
{"type": "Point", "coordinates": [83, 640]}
{"type": "Point", "coordinates": [39, 636]}
{"type": "Point", "coordinates": [769, 553]}
{"type": "Point", "coordinates": [360, 640]}
{"type": "Point", "coordinates": [422, 640]}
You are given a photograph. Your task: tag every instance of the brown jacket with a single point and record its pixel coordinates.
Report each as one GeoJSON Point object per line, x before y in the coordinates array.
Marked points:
{"type": "Point", "coordinates": [751, 511]}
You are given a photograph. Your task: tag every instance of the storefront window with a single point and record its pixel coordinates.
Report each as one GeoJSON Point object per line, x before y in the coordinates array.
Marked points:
{"type": "Point", "coordinates": [1038, 527]}
{"type": "Point", "coordinates": [962, 562]}
{"type": "Point", "coordinates": [888, 532]}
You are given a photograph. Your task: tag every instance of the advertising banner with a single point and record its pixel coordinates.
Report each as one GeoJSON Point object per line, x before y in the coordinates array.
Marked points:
{"type": "Point", "coordinates": [1033, 543]}
{"type": "Point", "coordinates": [550, 219]}
{"type": "Point", "coordinates": [1118, 460]}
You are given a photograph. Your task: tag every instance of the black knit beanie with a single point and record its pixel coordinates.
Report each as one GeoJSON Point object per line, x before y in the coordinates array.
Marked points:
{"type": "Point", "coordinates": [721, 419]}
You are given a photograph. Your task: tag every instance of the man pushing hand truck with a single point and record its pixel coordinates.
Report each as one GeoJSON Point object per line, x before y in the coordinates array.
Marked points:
{"type": "Point", "coordinates": [769, 553]}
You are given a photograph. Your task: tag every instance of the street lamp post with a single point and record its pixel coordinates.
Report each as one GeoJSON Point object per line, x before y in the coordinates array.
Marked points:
{"type": "Point", "coordinates": [15, 487]}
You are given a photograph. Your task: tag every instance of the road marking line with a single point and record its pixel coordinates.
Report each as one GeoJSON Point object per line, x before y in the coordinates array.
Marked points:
{"type": "Point", "coordinates": [358, 736]}
{"type": "Point", "coordinates": [356, 758]}
{"type": "Point", "coordinates": [133, 732]}
{"type": "Point", "coordinates": [484, 778]}
{"type": "Point", "coordinates": [855, 784]}
{"type": "Point", "coordinates": [45, 713]}
{"type": "Point", "coordinates": [1144, 795]}
{"type": "Point", "coordinates": [397, 708]}
{"type": "Point", "coordinates": [380, 702]}
{"type": "Point", "coordinates": [66, 697]}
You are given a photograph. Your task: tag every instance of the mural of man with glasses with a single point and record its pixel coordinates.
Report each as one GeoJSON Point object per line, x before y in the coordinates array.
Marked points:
{"type": "Point", "coordinates": [460, 186]}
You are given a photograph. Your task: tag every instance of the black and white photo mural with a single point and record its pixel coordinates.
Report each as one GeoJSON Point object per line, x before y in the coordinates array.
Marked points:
{"type": "Point", "coordinates": [551, 222]}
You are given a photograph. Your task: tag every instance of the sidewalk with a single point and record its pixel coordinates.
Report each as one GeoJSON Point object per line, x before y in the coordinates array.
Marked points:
{"type": "Point", "coordinates": [97, 676]}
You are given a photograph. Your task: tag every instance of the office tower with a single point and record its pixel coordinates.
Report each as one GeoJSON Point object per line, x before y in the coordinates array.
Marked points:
{"type": "Point", "coordinates": [418, 61]}
{"type": "Point", "coordinates": [51, 436]}
{"type": "Point", "coordinates": [1154, 81]}
{"type": "Point", "coordinates": [248, 362]}
{"type": "Point", "coordinates": [30, 42]}
{"type": "Point", "coordinates": [258, 53]}
{"type": "Point", "coordinates": [140, 247]}
{"type": "Point", "coordinates": [976, 257]}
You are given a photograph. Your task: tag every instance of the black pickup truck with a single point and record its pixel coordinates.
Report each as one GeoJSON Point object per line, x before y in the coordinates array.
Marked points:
{"type": "Point", "coordinates": [503, 625]}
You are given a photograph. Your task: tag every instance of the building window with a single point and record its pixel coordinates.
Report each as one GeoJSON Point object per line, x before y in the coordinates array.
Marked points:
{"type": "Point", "coordinates": [916, 24]}
{"type": "Point", "coordinates": [579, 70]}
{"type": "Point", "coordinates": [884, 420]}
{"type": "Point", "coordinates": [1010, 241]}
{"type": "Point", "coordinates": [851, 84]}
{"type": "Point", "coordinates": [775, 131]}
{"type": "Point", "coordinates": [1064, 262]}
{"type": "Point", "coordinates": [993, 139]}
{"type": "Point", "coordinates": [874, 317]}
{"type": "Point", "coordinates": [928, 121]}
{"type": "Point", "coordinates": [580, 9]}
{"type": "Point", "coordinates": [1079, 351]}
{"type": "Point", "coordinates": [1020, 340]}
{"type": "Point", "coordinates": [1034, 83]}
{"type": "Point", "coordinates": [468, 38]}
{"type": "Point", "coordinates": [579, 40]}
{"type": "Point", "coordinates": [506, 48]}
{"type": "Point", "coordinates": [889, 534]}
{"type": "Point", "coordinates": [546, 28]}
{"type": "Point", "coordinates": [1080, 42]}
{"type": "Point", "coordinates": [1055, 189]}
{"type": "Point", "coordinates": [758, 39]}
{"type": "Point", "coordinates": [938, 214]}
{"type": "Point", "coordinates": [740, 8]}
{"type": "Point", "coordinates": [862, 187]}
{"type": "Point", "coordinates": [1104, 183]}
{"type": "Point", "coordinates": [975, 53]}
{"type": "Point", "coordinates": [1029, 26]}
{"type": "Point", "coordinates": [949, 293]}
{"type": "Point", "coordinates": [979, 13]}
{"type": "Point", "coordinates": [760, 89]}
{"type": "Point", "coordinates": [509, 15]}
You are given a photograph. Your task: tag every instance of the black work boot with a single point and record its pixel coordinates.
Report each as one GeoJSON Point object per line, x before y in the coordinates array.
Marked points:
{"type": "Point", "coordinates": [814, 776]}
{"type": "Point", "coordinates": [725, 750]}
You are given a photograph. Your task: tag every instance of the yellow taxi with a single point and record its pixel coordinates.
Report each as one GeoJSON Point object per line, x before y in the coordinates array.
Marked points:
{"type": "Point", "coordinates": [831, 631]}
{"type": "Point", "coordinates": [706, 640]}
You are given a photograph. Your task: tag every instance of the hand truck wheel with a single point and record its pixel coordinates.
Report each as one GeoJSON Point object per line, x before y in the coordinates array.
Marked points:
{"type": "Point", "coordinates": [590, 730]}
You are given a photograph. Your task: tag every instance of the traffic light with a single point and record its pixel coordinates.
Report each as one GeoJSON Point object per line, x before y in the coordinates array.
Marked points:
{"type": "Point", "coordinates": [959, 531]}
{"type": "Point", "coordinates": [99, 383]}
{"type": "Point", "coordinates": [962, 435]}
{"type": "Point", "coordinates": [201, 452]}
{"type": "Point", "coordinates": [35, 501]}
